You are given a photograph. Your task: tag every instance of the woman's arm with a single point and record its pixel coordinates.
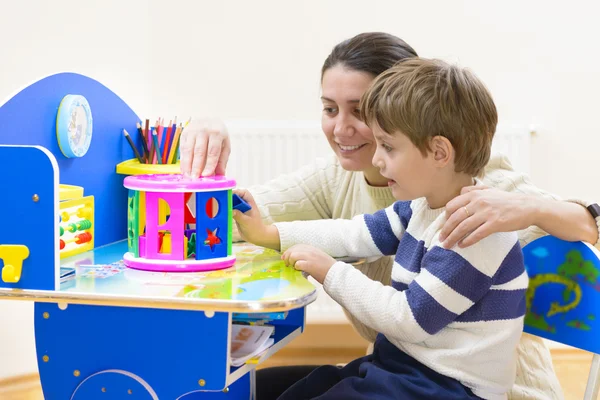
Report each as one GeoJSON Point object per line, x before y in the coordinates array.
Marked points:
{"type": "Point", "coordinates": [514, 205]}
{"type": "Point", "coordinates": [305, 194]}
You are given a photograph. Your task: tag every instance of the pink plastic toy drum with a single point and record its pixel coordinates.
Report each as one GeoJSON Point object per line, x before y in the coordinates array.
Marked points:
{"type": "Point", "coordinates": [178, 224]}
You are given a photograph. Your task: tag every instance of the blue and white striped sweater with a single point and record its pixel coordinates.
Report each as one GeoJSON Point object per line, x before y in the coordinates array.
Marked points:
{"type": "Point", "coordinates": [458, 311]}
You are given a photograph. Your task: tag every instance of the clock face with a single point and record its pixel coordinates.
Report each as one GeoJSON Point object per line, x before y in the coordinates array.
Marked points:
{"type": "Point", "coordinates": [74, 126]}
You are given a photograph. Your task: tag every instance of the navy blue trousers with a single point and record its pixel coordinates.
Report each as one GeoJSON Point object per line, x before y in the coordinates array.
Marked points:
{"type": "Point", "coordinates": [386, 374]}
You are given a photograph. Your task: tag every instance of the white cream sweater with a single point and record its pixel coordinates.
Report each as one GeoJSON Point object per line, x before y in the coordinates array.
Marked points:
{"type": "Point", "coordinates": [325, 190]}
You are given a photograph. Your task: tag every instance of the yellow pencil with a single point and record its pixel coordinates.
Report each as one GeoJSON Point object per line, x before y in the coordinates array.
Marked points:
{"type": "Point", "coordinates": [174, 145]}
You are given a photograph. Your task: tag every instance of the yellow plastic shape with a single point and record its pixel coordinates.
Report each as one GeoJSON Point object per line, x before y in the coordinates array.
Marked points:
{"type": "Point", "coordinates": [166, 244]}
{"type": "Point", "coordinates": [68, 192]}
{"type": "Point", "coordinates": [133, 167]}
{"type": "Point", "coordinates": [163, 211]}
{"type": "Point", "coordinates": [13, 256]}
{"type": "Point", "coordinates": [142, 212]}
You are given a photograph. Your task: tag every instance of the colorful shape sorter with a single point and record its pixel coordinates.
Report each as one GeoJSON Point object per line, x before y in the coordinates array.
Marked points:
{"type": "Point", "coordinates": [165, 235]}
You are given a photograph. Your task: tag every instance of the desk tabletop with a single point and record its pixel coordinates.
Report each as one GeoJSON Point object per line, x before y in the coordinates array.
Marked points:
{"type": "Point", "coordinates": [258, 282]}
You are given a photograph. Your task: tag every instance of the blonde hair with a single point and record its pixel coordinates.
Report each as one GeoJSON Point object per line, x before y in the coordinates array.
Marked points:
{"type": "Point", "coordinates": [423, 98]}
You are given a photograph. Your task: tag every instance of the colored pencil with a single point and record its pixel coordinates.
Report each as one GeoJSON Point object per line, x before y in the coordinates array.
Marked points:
{"type": "Point", "coordinates": [174, 146]}
{"type": "Point", "coordinates": [151, 151]}
{"type": "Point", "coordinates": [167, 139]}
{"type": "Point", "coordinates": [148, 136]}
{"type": "Point", "coordinates": [185, 126]}
{"type": "Point", "coordinates": [153, 147]}
{"type": "Point", "coordinates": [135, 151]}
{"type": "Point", "coordinates": [146, 155]}
{"type": "Point", "coordinates": [156, 146]}
{"type": "Point", "coordinates": [161, 141]}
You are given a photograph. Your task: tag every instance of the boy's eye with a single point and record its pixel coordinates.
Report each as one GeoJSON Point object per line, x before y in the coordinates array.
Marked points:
{"type": "Point", "coordinates": [329, 110]}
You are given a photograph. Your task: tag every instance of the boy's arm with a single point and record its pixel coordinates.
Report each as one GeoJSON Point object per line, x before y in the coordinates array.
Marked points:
{"type": "Point", "coordinates": [449, 284]}
{"type": "Point", "coordinates": [363, 236]}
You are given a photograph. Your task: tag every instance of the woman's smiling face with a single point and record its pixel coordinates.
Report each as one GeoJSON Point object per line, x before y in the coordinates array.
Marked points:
{"type": "Point", "coordinates": [349, 137]}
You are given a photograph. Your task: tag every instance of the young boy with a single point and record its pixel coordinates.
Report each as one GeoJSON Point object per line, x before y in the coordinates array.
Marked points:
{"type": "Point", "coordinates": [450, 323]}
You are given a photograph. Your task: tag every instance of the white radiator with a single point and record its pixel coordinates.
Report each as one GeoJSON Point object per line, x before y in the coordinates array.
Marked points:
{"type": "Point", "coordinates": [262, 150]}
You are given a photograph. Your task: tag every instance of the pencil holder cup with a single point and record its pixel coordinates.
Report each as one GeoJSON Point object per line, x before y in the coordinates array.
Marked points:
{"type": "Point", "coordinates": [163, 233]}
{"type": "Point", "coordinates": [133, 167]}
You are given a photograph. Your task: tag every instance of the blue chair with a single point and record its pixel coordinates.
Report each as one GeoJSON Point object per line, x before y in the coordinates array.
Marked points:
{"type": "Point", "coordinates": [563, 299]}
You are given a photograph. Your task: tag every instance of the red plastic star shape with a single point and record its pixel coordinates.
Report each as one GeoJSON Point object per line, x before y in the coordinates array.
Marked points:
{"type": "Point", "coordinates": [211, 238]}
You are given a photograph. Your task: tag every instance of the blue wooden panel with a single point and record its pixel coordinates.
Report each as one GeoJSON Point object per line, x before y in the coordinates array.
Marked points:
{"type": "Point", "coordinates": [169, 350]}
{"type": "Point", "coordinates": [220, 223]}
{"type": "Point", "coordinates": [27, 171]}
{"type": "Point", "coordinates": [30, 118]}
{"type": "Point", "coordinates": [563, 299]}
{"type": "Point", "coordinates": [295, 318]}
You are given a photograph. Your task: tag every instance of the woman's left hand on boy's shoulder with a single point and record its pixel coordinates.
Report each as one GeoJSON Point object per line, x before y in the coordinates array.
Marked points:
{"type": "Point", "coordinates": [480, 211]}
{"type": "Point", "coordinates": [310, 260]}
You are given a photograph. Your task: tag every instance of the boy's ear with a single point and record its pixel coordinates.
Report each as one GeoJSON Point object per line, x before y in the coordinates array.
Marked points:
{"type": "Point", "coordinates": [441, 150]}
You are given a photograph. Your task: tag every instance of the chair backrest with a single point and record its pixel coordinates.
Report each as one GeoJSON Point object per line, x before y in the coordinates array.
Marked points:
{"type": "Point", "coordinates": [563, 298]}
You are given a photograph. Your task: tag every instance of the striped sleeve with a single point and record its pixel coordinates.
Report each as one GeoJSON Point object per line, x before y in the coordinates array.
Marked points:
{"type": "Point", "coordinates": [365, 235]}
{"type": "Point", "coordinates": [453, 286]}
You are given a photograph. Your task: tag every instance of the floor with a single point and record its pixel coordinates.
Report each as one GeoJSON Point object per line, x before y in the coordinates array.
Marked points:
{"type": "Point", "coordinates": [571, 366]}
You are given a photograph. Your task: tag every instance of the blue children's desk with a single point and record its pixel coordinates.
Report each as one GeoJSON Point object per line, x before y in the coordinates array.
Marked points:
{"type": "Point", "coordinates": [111, 332]}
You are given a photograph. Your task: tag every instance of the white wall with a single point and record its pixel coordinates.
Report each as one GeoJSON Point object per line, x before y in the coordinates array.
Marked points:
{"type": "Point", "coordinates": [262, 60]}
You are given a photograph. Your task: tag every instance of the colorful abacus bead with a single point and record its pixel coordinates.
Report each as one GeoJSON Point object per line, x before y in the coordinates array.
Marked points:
{"type": "Point", "coordinates": [83, 238]}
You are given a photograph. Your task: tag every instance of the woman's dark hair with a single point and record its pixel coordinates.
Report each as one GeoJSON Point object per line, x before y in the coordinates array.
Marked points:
{"type": "Point", "coordinates": [371, 52]}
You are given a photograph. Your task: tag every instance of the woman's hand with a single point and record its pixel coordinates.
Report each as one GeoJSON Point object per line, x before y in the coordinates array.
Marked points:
{"type": "Point", "coordinates": [251, 226]}
{"type": "Point", "coordinates": [309, 259]}
{"type": "Point", "coordinates": [204, 148]}
{"type": "Point", "coordinates": [480, 211]}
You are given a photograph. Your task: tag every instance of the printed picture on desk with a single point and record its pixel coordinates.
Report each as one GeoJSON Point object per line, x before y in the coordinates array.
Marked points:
{"type": "Point", "coordinates": [263, 276]}
{"type": "Point", "coordinates": [258, 274]}
{"type": "Point", "coordinates": [100, 271]}
{"type": "Point", "coordinates": [250, 252]}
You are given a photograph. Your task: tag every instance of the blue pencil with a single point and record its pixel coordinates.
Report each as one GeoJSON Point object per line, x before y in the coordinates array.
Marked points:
{"type": "Point", "coordinates": [156, 146]}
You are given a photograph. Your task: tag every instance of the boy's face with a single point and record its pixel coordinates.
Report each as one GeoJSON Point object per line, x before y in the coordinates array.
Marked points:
{"type": "Point", "coordinates": [410, 174]}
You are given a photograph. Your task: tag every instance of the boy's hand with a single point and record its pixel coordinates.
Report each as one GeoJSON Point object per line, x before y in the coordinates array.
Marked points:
{"type": "Point", "coordinates": [310, 260]}
{"type": "Point", "coordinates": [251, 227]}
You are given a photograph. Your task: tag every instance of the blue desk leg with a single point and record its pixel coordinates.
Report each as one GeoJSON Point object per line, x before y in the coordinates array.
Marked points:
{"type": "Point", "coordinates": [99, 352]}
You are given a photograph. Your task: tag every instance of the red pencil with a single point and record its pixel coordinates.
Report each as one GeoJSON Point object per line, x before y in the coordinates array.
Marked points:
{"type": "Point", "coordinates": [165, 149]}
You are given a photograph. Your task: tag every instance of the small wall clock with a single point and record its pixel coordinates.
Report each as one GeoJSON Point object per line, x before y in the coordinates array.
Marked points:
{"type": "Point", "coordinates": [74, 126]}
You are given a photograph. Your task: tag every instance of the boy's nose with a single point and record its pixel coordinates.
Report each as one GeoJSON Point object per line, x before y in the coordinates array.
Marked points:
{"type": "Point", "coordinates": [377, 161]}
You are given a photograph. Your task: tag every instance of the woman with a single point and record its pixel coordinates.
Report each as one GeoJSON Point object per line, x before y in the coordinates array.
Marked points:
{"type": "Point", "coordinates": [347, 184]}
